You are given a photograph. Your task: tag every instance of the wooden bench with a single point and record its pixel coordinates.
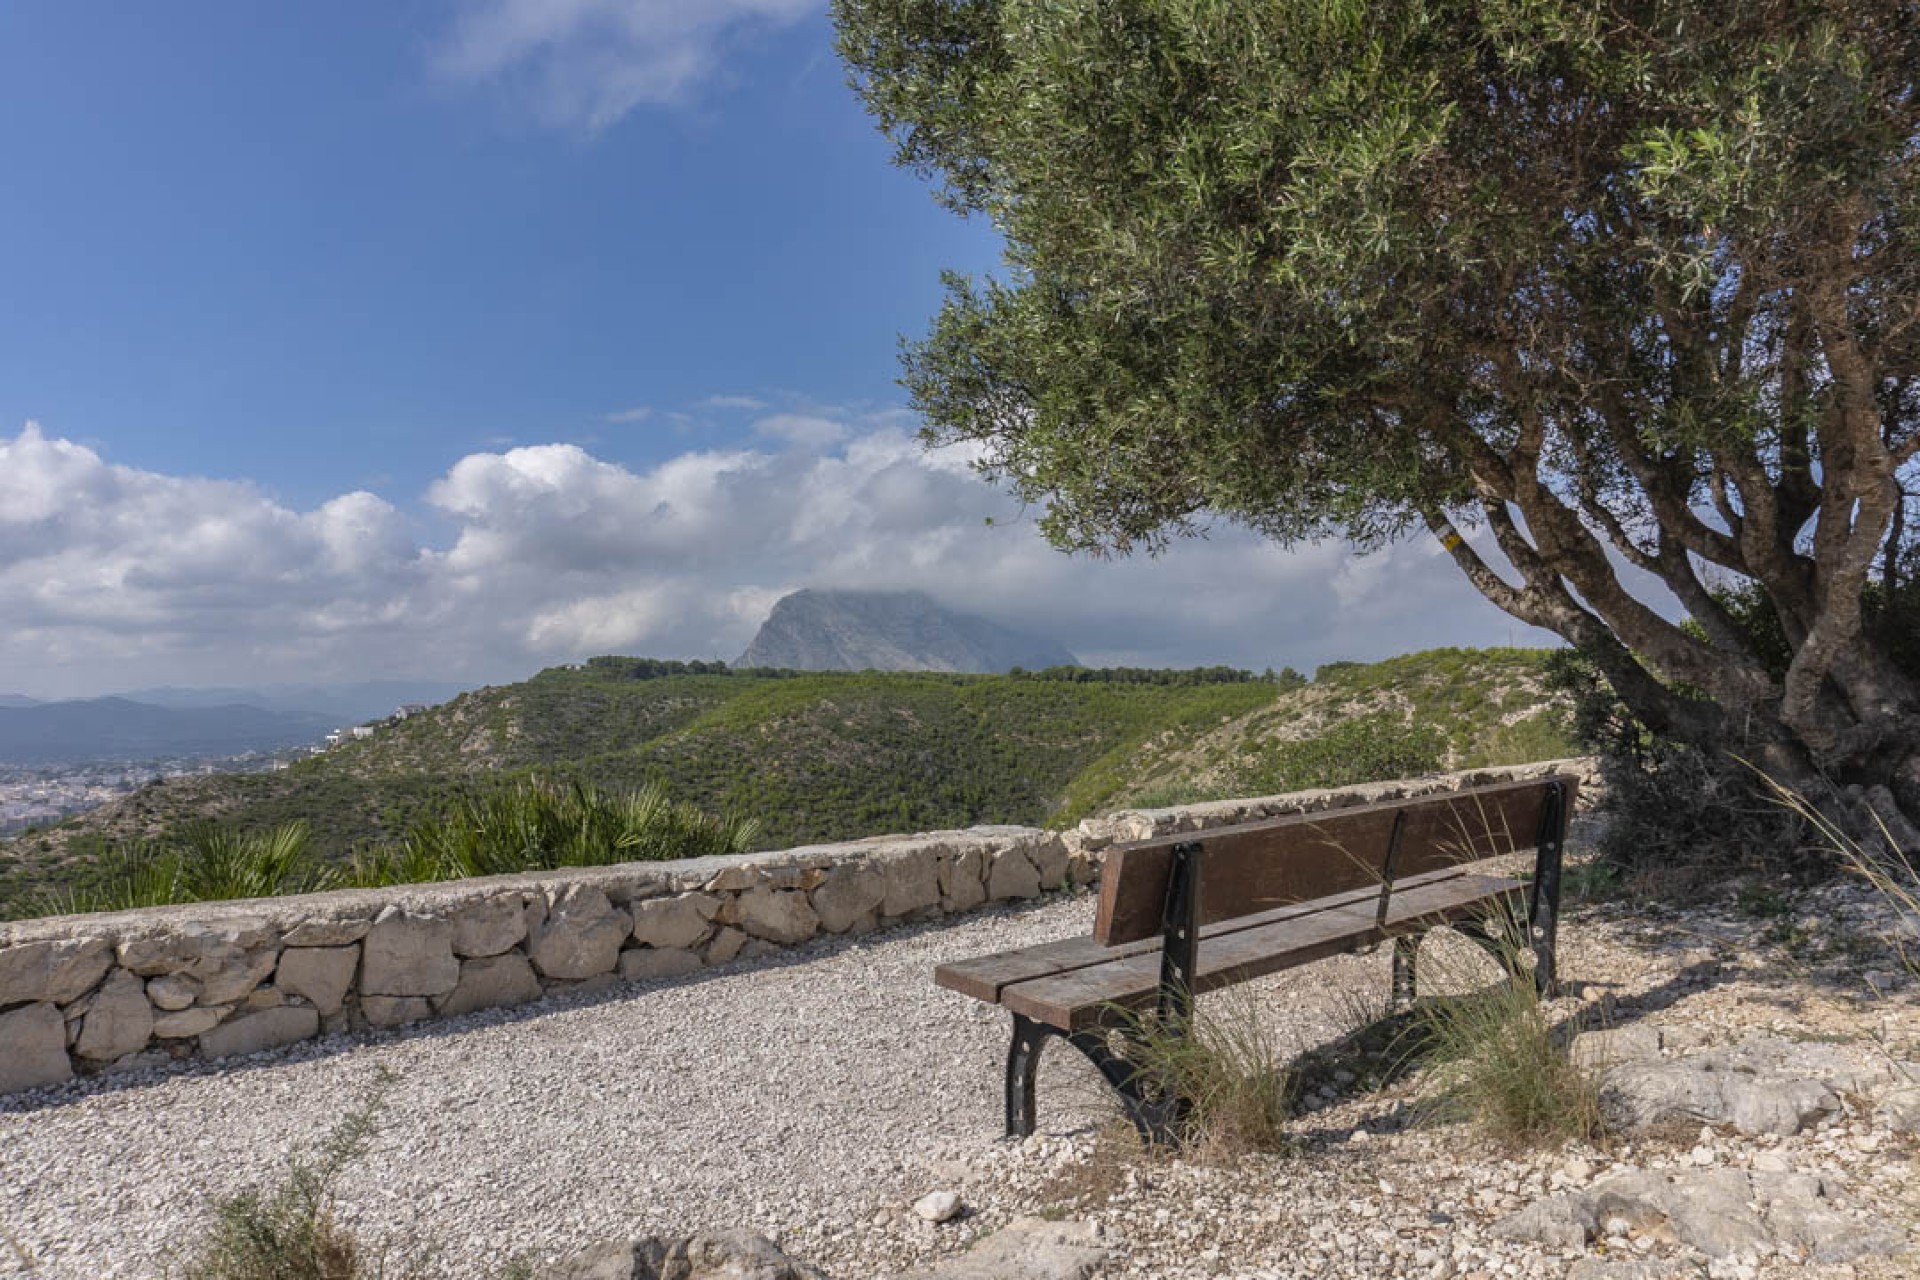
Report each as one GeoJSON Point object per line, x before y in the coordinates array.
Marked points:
{"type": "Point", "coordinates": [1190, 913]}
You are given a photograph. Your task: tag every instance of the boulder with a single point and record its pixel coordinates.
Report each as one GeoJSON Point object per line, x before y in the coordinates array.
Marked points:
{"type": "Point", "coordinates": [848, 899]}
{"type": "Point", "coordinates": [725, 945]}
{"type": "Point", "coordinates": [57, 971]}
{"type": "Point", "coordinates": [318, 975]}
{"type": "Point", "coordinates": [963, 880]}
{"type": "Point", "coordinates": [393, 1011]}
{"type": "Point", "coordinates": [118, 1022]}
{"type": "Point", "coordinates": [1025, 1249]}
{"type": "Point", "coordinates": [580, 936]}
{"type": "Point", "coordinates": [1050, 859]}
{"type": "Point", "coordinates": [1752, 1087]}
{"type": "Point", "coordinates": [259, 1031]}
{"type": "Point", "coordinates": [186, 1024]}
{"type": "Point", "coordinates": [647, 964]}
{"type": "Point", "coordinates": [684, 920]}
{"type": "Point", "coordinates": [408, 955]}
{"type": "Point", "coordinates": [778, 915]}
{"type": "Point", "coordinates": [492, 982]}
{"type": "Point", "coordinates": [33, 1048]}
{"type": "Point", "coordinates": [912, 878]}
{"type": "Point", "coordinates": [172, 991]}
{"type": "Point", "coordinates": [712, 1255]}
{"type": "Point", "coordinates": [1012, 875]}
{"type": "Point", "coordinates": [489, 927]}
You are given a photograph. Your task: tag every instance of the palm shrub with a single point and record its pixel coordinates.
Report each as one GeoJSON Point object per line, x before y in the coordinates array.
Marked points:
{"type": "Point", "coordinates": [205, 862]}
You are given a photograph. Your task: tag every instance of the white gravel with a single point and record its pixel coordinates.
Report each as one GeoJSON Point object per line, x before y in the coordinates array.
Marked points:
{"type": "Point", "coordinates": [799, 1092]}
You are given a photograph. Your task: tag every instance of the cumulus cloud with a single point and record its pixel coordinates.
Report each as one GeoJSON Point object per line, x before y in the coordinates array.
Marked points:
{"type": "Point", "coordinates": [112, 576]}
{"type": "Point", "coordinates": [587, 63]}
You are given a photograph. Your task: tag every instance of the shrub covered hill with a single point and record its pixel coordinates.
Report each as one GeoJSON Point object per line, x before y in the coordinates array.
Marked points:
{"type": "Point", "coordinates": [826, 755]}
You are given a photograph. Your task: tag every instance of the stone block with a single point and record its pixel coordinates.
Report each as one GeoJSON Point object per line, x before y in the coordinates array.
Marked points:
{"type": "Point", "coordinates": [56, 971]}
{"type": "Point", "coordinates": [492, 982]}
{"type": "Point", "coordinates": [318, 975]}
{"type": "Point", "coordinates": [118, 1022]}
{"type": "Point", "coordinates": [1012, 876]}
{"type": "Point", "coordinates": [394, 1011]}
{"type": "Point", "coordinates": [259, 1031]}
{"type": "Point", "coordinates": [681, 921]}
{"type": "Point", "coordinates": [408, 955]}
{"type": "Point", "coordinates": [33, 1048]}
{"type": "Point", "coordinates": [226, 977]}
{"type": "Point", "coordinates": [491, 927]}
{"type": "Point", "coordinates": [327, 933]}
{"type": "Point", "coordinates": [725, 946]}
{"type": "Point", "coordinates": [776, 915]}
{"type": "Point", "coordinates": [1049, 857]}
{"type": "Point", "coordinates": [186, 1024]}
{"type": "Point", "coordinates": [849, 896]}
{"type": "Point", "coordinates": [172, 991]}
{"type": "Point", "coordinates": [194, 947]}
{"type": "Point", "coordinates": [913, 881]}
{"type": "Point", "coordinates": [963, 879]}
{"type": "Point", "coordinates": [580, 936]}
{"type": "Point", "coordinates": [647, 964]}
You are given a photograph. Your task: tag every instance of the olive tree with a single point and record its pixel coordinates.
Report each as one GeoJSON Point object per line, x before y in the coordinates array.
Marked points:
{"type": "Point", "coordinates": [1626, 290]}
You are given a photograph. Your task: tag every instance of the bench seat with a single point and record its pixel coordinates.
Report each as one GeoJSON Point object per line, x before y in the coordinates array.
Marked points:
{"type": "Point", "coordinates": [1076, 984]}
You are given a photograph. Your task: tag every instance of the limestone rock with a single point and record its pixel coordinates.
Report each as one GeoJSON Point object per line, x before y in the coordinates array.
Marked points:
{"type": "Point", "coordinates": [913, 881]}
{"type": "Point", "coordinates": [682, 921]}
{"type": "Point", "coordinates": [393, 1011]}
{"type": "Point", "coordinates": [266, 998]}
{"type": "Point", "coordinates": [118, 1022]}
{"type": "Point", "coordinates": [1900, 1111]}
{"type": "Point", "coordinates": [52, 971]}
{"type": "Point", "coordinates": [1025, 1249]}
{"type": "Point", "coordinates": [1012, 876]}
{"type": "Point", "coordinates": [963, 880]}
{"type": "Point", "coordinates": [226, 976]}
{"type": "Point", "coordinates": [261, 1030]}
{"type": "Point", "coordinates": [490, 927]}
{"type": "Point", "coordinates": [186, 1024]}
{"type": "Point", "coordinates": [725, 946]}
{"type": "Point", "coordinates": [172, 991]}
{"type": "Point", "coordinates": [938, 1206]}
{"type": "Point", "coordinates": [1724, 1213]}
{"type": "Point", "coordinates": [1050, 860]}
{"type": "Point", "coordinates": [318, 975]}
{"type": "Point", "coordinates": [492, 982]}
{"type": "Point", "coordinates": [195, 947]}
{"type": "Point", "coordinates": [647, 964]}
{"type": "Point", "coordinates": [327, 933]}
{"type": "Point", "coordinates": [849, 897]}
{"type": "Point", "coordinates": [408, 955]}
{"type": "Point", "coordinates": [1755, 1093]}
{"type": "Point", "coordinates": [580, 936]}
{"type": "Point", "coordinates": [777, 915]}
{"type": "Point", "coordinates": [33, 1048]}
{"type": "Point", "coordinates": [716, 1255]}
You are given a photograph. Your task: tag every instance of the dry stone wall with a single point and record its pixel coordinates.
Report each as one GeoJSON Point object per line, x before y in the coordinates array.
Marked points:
{"type": "Point", "coordinates": [86, 994]}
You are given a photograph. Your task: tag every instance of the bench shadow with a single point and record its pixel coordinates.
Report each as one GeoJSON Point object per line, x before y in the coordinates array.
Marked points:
{"type": "Point", "coordinates": [594, 992]}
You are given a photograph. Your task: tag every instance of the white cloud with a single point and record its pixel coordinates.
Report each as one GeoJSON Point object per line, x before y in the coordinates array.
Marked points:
{"type": "Point", "coordinates": [639, 413]}
{"type": "Point", "coordinates": [114, 577]}
{"type": "Point", "coordinates": [747, 403]}
{"type": "Point", "coordinates": [587, 63]}
{"type": "Point", "coordinates": [802, 429]}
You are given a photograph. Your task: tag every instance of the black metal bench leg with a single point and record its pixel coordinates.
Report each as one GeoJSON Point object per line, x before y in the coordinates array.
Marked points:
{"type": "Point", "coordinates": [1160, 1116]}
{"type": "Point", "coordinates": [1406, 956]}
{"type": "Point", "coordinates": [1023, 1065]}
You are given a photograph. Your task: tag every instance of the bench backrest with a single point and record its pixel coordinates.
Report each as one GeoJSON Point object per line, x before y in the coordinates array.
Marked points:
{"type": "Point", "coordinates": [1258, 866]}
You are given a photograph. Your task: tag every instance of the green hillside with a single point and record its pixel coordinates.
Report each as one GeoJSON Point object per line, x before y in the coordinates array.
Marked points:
{"type": "Point", "coordinates": [827, 756]}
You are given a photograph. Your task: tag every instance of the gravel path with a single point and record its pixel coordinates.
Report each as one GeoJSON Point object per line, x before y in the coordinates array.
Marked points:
{"type": "Point", "coordinates": [799, 1093]}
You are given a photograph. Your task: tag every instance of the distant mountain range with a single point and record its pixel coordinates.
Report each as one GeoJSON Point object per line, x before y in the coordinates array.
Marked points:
{"type": "Point", "coordinates": [196, 722]}
{"type": "Point", "coordinates": [119, 729]}
{"type": "Point", "coordinates": [891, 631]}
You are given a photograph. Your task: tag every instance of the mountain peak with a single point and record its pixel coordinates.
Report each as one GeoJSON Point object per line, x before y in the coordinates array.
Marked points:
{"type": "Point", "coordinates": [824, 630]}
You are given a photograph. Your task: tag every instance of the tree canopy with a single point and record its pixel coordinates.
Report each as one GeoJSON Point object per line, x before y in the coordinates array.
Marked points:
{"type": "Point", "coordinates": [1625, 290]}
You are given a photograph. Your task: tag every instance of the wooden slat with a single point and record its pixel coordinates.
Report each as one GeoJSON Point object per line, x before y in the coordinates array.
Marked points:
{"type": "Point", "coordinates": [985, 977]}
{"type": "Point", "coordinates": [1256, 866]}
{"type": "Point", "coordinates": [1084, 998]}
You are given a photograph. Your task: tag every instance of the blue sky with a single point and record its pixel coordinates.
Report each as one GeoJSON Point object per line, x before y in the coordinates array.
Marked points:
{"type": "Point", "coordinates": [453, 339]}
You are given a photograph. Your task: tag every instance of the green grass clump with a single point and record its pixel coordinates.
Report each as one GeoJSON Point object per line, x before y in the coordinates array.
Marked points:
{"type": "Point", "coordinates": [1227, 1064]}
{"type": "Point", "coordinates": [289, 1231]}
{"type": "Point", "coordinates": [203, 863]}
{"type": "Point", "coordinates": [1496, 1060]}
{"type": "Point", "coordinates": [1365, 749]}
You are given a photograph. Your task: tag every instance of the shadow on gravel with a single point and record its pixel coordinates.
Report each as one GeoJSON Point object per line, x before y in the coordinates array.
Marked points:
{"type": "Point", "coordinates": [593, 992]}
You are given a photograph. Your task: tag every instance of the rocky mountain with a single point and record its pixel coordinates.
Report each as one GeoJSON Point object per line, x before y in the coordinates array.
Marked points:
{"type": "Point", "coordinates": [890, 631]}
{"type": "Point", "coordinates": [117, 729]}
